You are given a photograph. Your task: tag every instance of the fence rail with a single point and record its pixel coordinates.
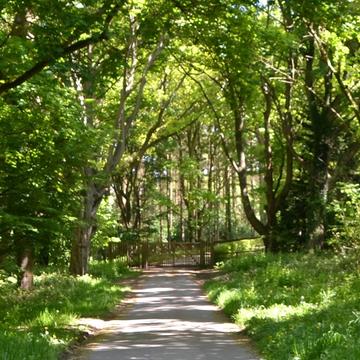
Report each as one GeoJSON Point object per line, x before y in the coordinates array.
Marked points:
{"type": "Point", "coordinates": [164, 254]}
{"type": "Point", "coordinates": [142, 253]}
{"type": "Point", "coordinates": [237, 239]}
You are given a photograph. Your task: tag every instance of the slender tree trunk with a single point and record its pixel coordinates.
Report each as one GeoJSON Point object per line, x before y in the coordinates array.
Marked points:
{"type": "Point", "coordinates": [181, 220]}
{"type": "Point", "coordinates": [270, 238]}
{"type": "Point", "coordinates": [268, 229]}
{"type": "Point", "coordinates": [161, 230]}
{"type": "Point", "coordinates": [228, 218]}
{"type": "Point", "coordinates": [233, 195]}
{"type": "Point", "coordinates": [182, 197]}
{"type": "Point", "coordinates": [190, 226]}
{"type": "Point", "coordinates": [241, 169]}
{"type": "Point", "coordinates": [169, 217]}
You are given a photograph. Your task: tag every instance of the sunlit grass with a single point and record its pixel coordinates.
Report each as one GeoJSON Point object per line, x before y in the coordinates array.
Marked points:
{"type": "Point", "coordinates": [294, 306]}
{"type": "Point", "coordinates": [226, 250]}
{"type": "Point", "coordinates": [41, 323]}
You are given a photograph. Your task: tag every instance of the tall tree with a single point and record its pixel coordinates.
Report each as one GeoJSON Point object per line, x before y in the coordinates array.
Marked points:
{"type": "Point", "coordinates": [39, 174]}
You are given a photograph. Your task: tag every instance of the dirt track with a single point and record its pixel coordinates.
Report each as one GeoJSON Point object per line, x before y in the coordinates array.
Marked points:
{"type": "Point", "coordinates": [168, 319]}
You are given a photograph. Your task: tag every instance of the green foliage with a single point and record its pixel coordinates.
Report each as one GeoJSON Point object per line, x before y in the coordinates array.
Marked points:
{"type": "Point", "coordinates": [63, 128]}
{"type": "Point", "coordinates": [37, 31]}
{"type": "Point", "coordinates": [41, 323]}
{"type": "Point", "coordinates": [107, 225]}
{"type": "Point", "coordinates": [232, 249]}
{"type": "Point", "coordinates": [111, 271]}
{"type": "Point", "coordinates": [42, 149]}
{"type": "Point", "coordinates": [345, 209]}
{"type": "Point", "coordinates": [294, 306]}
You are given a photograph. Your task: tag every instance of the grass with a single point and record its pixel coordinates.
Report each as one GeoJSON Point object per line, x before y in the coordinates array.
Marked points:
{"type": "Point", "coordinates": [40, 324]}
{"type": "Point", "coordinates": [227, 250]}
{"type": "Point", "coordinates": [296, 306]}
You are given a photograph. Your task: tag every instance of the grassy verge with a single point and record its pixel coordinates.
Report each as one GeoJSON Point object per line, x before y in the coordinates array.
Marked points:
{"type": "Point", "coordinates": [40, 324]}
{"type": "Point", "coordinates": [229, 249]}
{"type": "Point", "coordinates": [294, 306]}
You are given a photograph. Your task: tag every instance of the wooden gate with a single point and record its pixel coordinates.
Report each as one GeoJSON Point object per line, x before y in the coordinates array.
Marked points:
{"type": "Point", "coordinates": [182, 254]}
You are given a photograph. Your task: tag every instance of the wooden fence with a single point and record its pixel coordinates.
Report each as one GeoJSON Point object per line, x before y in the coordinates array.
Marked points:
{"type": "Point", "coordinates": [164, 254]}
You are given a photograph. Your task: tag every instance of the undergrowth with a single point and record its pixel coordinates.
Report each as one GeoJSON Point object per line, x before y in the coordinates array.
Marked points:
{"type": "Point", "coordinates": [39, 324]}
{"type": "Point", "coordinates": [295, 306]}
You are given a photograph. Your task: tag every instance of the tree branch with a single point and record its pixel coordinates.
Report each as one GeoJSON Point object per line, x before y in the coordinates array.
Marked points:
{"type": "Point", "coordinates": [124, 123]}
{"type": "Point", "coordinates": [64, 50]}
{"type": "Point", "coordinates": [344, 89]}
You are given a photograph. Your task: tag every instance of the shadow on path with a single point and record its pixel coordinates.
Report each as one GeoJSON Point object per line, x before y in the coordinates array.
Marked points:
{"type": "Point", "coordinates": [169, 319]}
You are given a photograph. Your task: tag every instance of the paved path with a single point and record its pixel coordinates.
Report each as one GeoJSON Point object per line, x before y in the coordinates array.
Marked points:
{"type": "Point", "coordinates": [170, 320]}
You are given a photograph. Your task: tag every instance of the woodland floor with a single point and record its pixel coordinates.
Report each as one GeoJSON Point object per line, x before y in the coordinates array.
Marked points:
{"type": "Point", "coordinates": [167, 317]}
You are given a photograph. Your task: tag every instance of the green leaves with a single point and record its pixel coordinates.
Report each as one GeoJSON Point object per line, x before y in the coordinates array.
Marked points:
{"type": "Point", "coordinates": [40, 165]}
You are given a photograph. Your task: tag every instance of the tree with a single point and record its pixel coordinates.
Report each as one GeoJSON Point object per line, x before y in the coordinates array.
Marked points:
{"type": "Point", "coordinates": [264, 62]}
{"type": "Point", "coordinates": [143, 46]}
{"type": "Point", "coordinates": [329, 106]}
{"type": "Point", "coordinates": [39, 173]}
{"type": "Point", "coordinates": [242, 83]}
{"type": "Point", "coordinates": [142, 96]}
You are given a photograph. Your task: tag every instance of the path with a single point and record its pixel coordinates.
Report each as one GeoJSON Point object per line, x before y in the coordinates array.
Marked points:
{"type": "Point", "coordinates": [170, 320]}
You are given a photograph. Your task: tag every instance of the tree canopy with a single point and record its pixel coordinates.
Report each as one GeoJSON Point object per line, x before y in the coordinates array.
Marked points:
{"type": "Point", "coordinates": [176, 121]}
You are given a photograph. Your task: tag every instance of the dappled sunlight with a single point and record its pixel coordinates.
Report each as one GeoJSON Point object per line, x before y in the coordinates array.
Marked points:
{"type": "Point", "coordinates": [155, 290]}
{"type": "Point", "coordinates": [186, 307]}
{"type": "Point", "coordinates": [277, 312]}
{"type": "Point", "coordinates": [156, 325]}
{"type": "Point", "coordinates": [41, 323]}
{"type": "Point", "coordinates": [300, 304]}
{"type": "Point", "coordinates": [169, 318]}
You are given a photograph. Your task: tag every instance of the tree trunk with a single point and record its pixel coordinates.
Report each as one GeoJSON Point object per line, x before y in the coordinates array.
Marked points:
{"type": "Point", "coordinates": [239, 124]}
{"type": "Point", "coordinates": [316, 214]}
{"type": "Point", "coordinates": [228, 219]}
{"type": "Point", "coordinates": [181, 193]}
{"type": "Point", "coordinates": [270, 239]}
{"type": "Point", "coordinates": [25, 262]}
{"type": "Point", "coordinates": [190, 226]}
{"type": "Point", "coordinates": [27, 278]}
{"type": "Point", "coordinates": [80, 251]}
{"type": "Point", "coordinates": [181, 220]}
{"type": "Point", "coordinates": [169, 217]}
{"type": "Point", "coordinates": [320, 123]}
{"type": "Point", "coordinates": [161, 226]}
